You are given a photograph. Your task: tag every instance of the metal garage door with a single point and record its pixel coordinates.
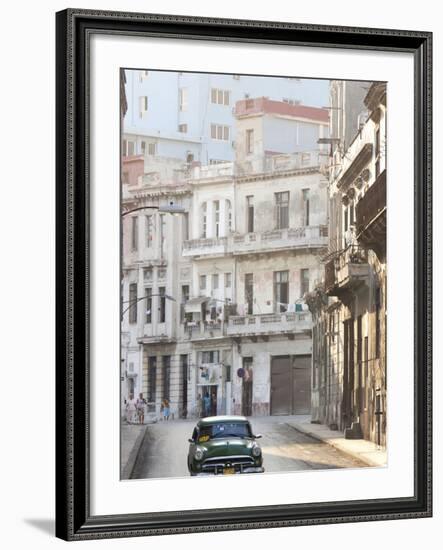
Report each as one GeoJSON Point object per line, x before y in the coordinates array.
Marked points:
{"type": "Point", "coordinates": [281, 385]}
{"type": "Point", "coordinates": [301, 383]}
{"type": "Point", "coordinates": [291, 385]}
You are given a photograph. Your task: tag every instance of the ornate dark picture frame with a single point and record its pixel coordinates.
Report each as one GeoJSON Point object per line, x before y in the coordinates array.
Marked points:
{"type": "Point", "coordinates": [74, 30]}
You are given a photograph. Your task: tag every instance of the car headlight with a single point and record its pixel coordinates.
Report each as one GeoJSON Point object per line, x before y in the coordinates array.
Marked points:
{"type": "Point", "coordinates": [198, 453]}
{"type": "Point", "coordinates": [256, 450]}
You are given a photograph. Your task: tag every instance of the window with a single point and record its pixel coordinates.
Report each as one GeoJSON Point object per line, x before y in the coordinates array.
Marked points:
{"type": "Point", "coordinates": [249, 293]}
{"type": "Point", "coordinates": [202, 282]}
{"type": "Point", "coordinates": [351, 213]}
{"type": "Point", "coordinates": [162, 308]}
{"type": "Point", "coordinates": [249, 141]}
{"type": "Point", "coordinates": [304, 282]}
{"type": "Point", "coordinates": [134, 233]}
{"type": "Point", "coordinates": [152, 379]}
{"type": "Point", "coordinates": [228, 280]}
{"type": "Point", "coordinates": [305, 193]}
{"type": "Point", "coordinates": [166, 376]}
{"type": "Point", "coordinates": [210, 356]}
{"type": "Point", "coordinates": [125, 177]}
{"type": "Point", "coordinates": [281, 290]}
{"type": "Point", "coordinates": [282, 210]}
{"type": "Point", "coordinates": [128, 148]}
{"type": "Point", "coordinates": [220, 132]}
{"type": "Point", "coordinates": [250, 214]}
{"type": "Point", "coordinates": [132, 303]}
{"type": "Point", "coordinates": [217, 218]}
{"type": "Point", "coordinates": [183, 128]}
{"type": "Point", "coordinates": [147, 274]}
{"type": "Point", "coordinates": [220, 97]}
{"type": "Point", "coordinates": [143, 75]}
{"type": "Point", "coordinates": [377, 152]}
{"type": "Point", "coordinates": [143, 102]}
{"type": "Point", "coordinates": [229, 215]}
{"type": "Point", "coordinates": [215, 281]}
{"type": "Point", "coordinates": [184, 299]}
{"type": "Point", "coordinates": [147, 148]}
{"type": "Point", "coordinates": [148, 312]}
{"type": "Point", "coordinates": [183, 99]}
{"type": "Point", "coordinates": [149, 223]}
{"type": "Point", "coordinates": [204, 220]}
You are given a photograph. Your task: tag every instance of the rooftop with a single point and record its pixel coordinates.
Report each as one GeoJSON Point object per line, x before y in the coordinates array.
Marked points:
{"type": "Point", "coordinates": [263, 105]}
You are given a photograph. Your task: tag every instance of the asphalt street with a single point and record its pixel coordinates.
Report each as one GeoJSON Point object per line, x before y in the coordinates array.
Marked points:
{"type": "Point", "coordinates": [165, 447]}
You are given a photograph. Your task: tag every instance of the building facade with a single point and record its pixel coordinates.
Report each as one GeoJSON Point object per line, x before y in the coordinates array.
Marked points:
{"type": "Point", "coordinates": [215, 296]}
{"type": "Point", "coordinates": [349, 305]}
{"type": "Point", "coordinates": [191, 116]}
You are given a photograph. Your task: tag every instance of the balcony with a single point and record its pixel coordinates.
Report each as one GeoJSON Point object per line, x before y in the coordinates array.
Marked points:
{"type": "Point", "coordinates": [268, 324]}
{"type": "Point", "coordinates": [371, 215]}
{"type": "Point", "coordinates": [205, 247]}
{"type": "Point", "coordinates": [310, 161]}
{"type": "Point", "coordinates": [279, 239]}
{"type": "Point", "coordinates": [347, 271]}
{"type": "Point", "coordinates": [204, 330]}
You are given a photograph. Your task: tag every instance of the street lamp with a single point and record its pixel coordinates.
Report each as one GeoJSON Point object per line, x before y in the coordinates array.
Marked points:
{"type": "Point", "coordinates": [170, 208]}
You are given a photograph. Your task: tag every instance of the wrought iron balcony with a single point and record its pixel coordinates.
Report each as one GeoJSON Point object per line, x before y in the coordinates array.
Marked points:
{"type": "Point", "coordinates": [348, 270]}
{"type": "Point", "coordinates": [371, 215]}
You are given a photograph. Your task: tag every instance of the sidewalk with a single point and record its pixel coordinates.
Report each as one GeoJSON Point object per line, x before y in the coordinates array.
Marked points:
{"type": "Point", "coordinates": [130, 443]}
{"type": "Point", "coordinates": [366, 451]}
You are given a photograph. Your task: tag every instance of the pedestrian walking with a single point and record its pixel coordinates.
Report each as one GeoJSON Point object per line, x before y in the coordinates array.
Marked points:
{"type": "Point", "coordinates": [199, 405]}
{"type": "Point", "coordinates": [131, 408]}
{"type": "Point", "coordinates": [141, 403]}
{"type": "Point", "coordinates": [166, 409]}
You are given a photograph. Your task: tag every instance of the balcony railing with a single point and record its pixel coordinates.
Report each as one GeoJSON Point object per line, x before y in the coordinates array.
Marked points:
{"type": "Point", "coordinates": [274, 163]}
{"type": "Point", "coordinates": [370, 208]}
{"type": "Point", "coordinates": [197, 247]}
{"type": "Point", "coordinates": [268, 323]}
{"type": "Point", "coordinates": [348, 270]}
{"type": "Point", "coordinates": [299, 237]}
{"type": "Point", "coordinates": [277, 239]}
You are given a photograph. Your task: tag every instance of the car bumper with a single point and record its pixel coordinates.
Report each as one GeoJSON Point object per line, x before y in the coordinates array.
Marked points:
{"type": "Point", "coordinates": [249, 470]}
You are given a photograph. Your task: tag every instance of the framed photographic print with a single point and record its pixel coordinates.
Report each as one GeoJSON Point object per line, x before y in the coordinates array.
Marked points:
{"type": "Point", "coordinates": [243, 274]}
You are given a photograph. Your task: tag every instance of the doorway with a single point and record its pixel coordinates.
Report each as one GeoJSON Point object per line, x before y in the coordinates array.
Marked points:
{"type": "Point", "coordinates": [291, 384]}
{"type": "Point", "coordinates": [246, 400]}
{"type": "Point", "coordinates": [211, 408]}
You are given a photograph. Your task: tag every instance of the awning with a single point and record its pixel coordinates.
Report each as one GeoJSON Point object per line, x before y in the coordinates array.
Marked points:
{"type": "Point", "coordinates": [195, 304]}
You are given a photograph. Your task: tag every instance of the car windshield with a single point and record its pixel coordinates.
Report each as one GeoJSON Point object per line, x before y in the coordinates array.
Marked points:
{"type": "Point", "coordinates": [225, 429]}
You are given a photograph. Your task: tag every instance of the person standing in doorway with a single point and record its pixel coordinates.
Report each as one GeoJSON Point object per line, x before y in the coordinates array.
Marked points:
{"type": "Point", "coordinates": [207, 404]}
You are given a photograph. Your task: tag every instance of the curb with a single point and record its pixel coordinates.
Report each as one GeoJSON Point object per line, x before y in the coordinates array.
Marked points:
{"type": "Point", "coordinates": [334, 444]}
{"type": "Point", "coordinates": [130, 463]}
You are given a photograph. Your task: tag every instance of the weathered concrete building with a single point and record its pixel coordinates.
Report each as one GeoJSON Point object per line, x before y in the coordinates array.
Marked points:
{"type": "Point", "coordinates": [237, 266]}
{"type": "Point", "coordinates": [349, 306]}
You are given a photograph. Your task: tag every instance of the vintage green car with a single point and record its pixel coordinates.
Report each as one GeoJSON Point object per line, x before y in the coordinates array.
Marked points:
{"type": "Point", "coordinates": [224, 445]}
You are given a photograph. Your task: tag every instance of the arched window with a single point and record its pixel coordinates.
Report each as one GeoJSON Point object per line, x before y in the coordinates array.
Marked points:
{"type": "Point", "coordinates": [203, 220]}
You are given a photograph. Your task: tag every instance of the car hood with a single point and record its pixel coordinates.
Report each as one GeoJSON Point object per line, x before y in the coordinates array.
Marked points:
{"type": "Point", "coordinates": [227, 446]}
